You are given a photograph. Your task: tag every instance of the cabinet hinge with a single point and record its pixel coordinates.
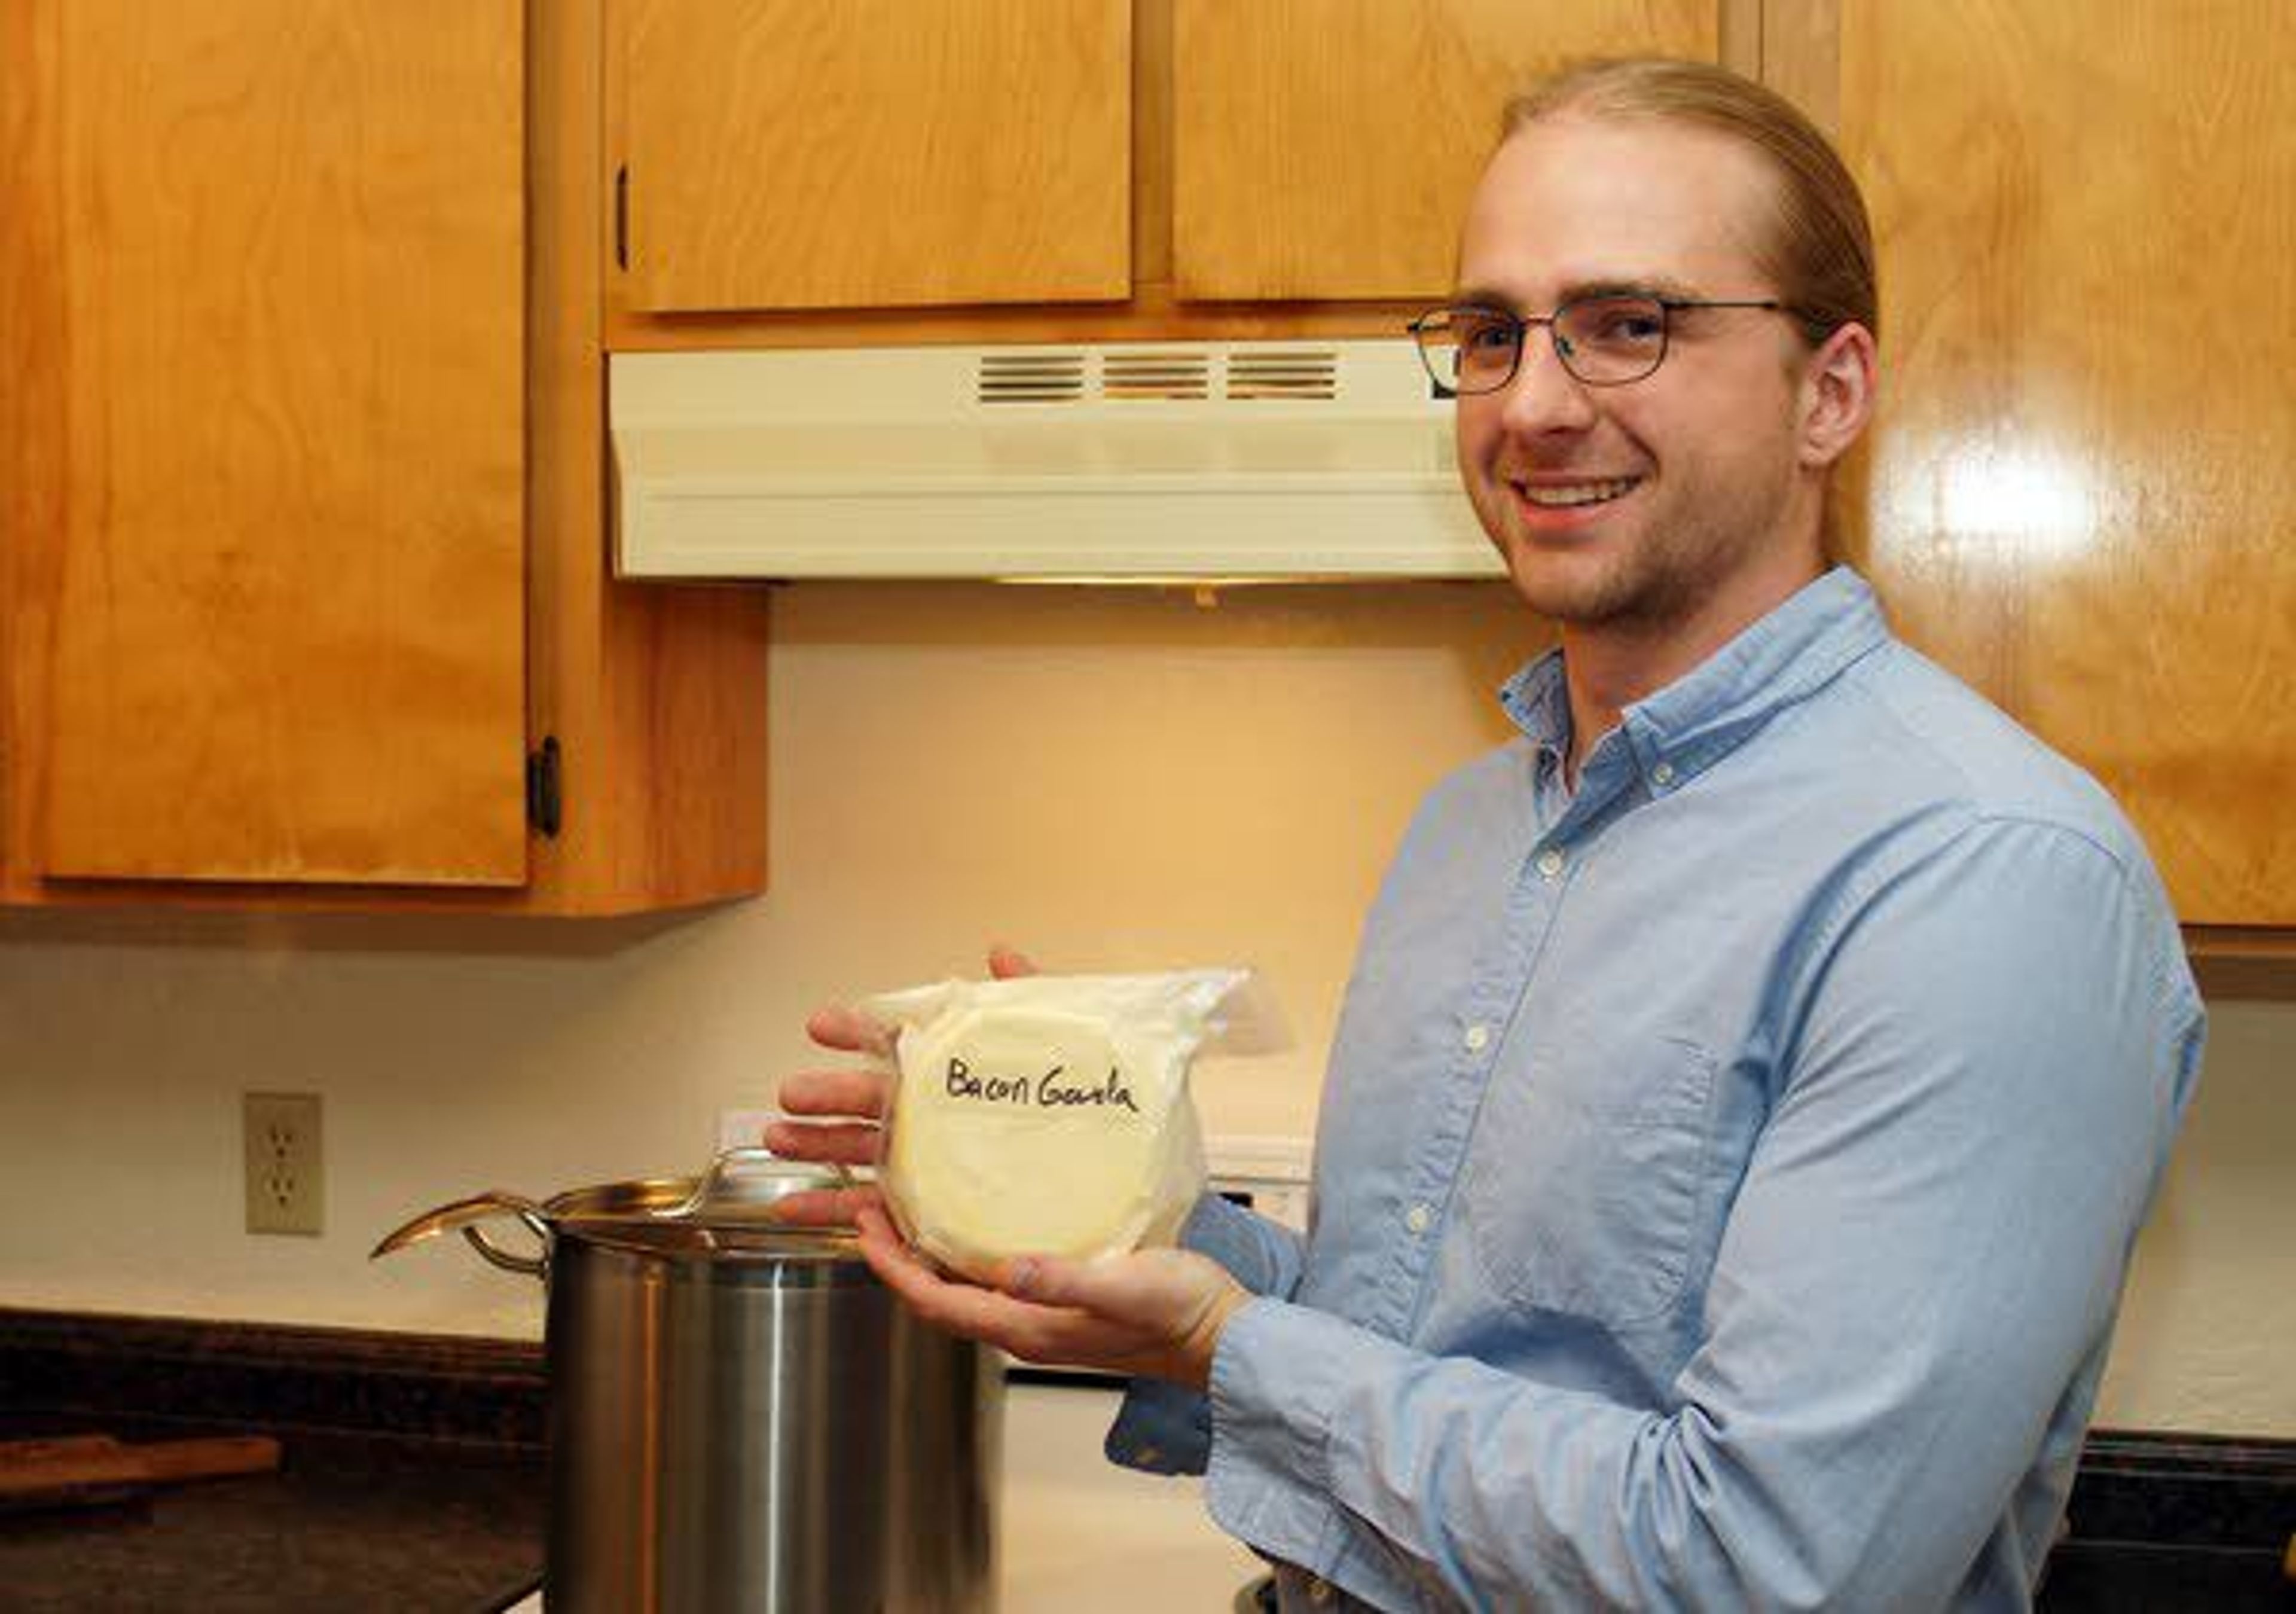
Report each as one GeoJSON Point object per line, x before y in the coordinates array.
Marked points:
{"type": "Point", "coordinates": [622, 216]}
{"type": "Point", "coordinates": [544, 806]}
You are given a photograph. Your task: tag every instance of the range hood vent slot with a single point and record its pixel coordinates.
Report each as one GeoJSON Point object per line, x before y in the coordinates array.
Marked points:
{"type": "Point", "coordinates": [1049, 376]}
{"type": "Point", "coordinates": [1310, 375]}
{"type": "Point", "coordinates": [1155, 376]}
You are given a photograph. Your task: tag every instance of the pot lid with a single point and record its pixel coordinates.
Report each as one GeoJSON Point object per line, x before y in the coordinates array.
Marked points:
{"type": "Point", "coordinates": [727, 1211]}
{"type": "Point", "coordinates": [729, 1208]}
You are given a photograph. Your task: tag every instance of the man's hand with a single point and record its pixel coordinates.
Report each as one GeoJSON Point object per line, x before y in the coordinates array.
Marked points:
{"type": "Point", "coordinates": [1156, 1312]}
{"type": "Point", "coordinates": [851, 1103]}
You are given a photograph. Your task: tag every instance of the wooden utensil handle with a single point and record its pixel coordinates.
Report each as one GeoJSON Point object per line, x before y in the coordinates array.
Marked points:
{"type": "Point", "coordinates": [81, 1465]}
{"type": "Point", "coordinates": [18, 1454]}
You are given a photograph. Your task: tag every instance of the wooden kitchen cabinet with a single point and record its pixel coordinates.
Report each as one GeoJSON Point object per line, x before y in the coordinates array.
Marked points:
{"type": "Point", "coordinates": [279, 594]}
{"type": "Point", "coordinates": [807, 172]}
{"type": "Point", "coordinates": [2081, 494]}
{"type": "Point", "coordinates": [303, 554]}
{"type": "Point", "coordinates": [1324, 150]}
{"type": "Point", "coordinates": [857, 153]}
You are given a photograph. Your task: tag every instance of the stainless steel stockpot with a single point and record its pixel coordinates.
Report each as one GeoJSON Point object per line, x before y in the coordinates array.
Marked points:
{"type": "Point", "coordinates": [742, 1419]}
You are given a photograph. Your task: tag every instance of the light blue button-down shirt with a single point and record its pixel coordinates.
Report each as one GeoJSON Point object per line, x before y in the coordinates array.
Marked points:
{"type": "Point", "coordinates": [1726, 1170]}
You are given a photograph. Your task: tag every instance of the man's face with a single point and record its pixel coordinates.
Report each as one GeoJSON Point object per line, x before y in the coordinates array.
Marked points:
{"type": "Point", "coordinates": [1637, 506]}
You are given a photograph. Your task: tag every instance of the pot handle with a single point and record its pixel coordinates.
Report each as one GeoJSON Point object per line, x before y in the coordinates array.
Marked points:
{"type": "Point", "coordinates": [465, 1215]}
{"type": "Point", "coordinates": [753, 1165]}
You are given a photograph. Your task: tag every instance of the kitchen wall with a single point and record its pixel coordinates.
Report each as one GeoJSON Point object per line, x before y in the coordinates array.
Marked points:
{"type": "Point", "coordinates": [1110, 780]}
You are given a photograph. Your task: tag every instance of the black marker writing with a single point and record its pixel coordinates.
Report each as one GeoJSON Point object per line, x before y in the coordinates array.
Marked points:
{"type": "Point", "coordinates": [1049, 1093]}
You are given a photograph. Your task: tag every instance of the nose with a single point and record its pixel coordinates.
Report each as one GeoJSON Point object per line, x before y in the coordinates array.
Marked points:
{"type": "Point", "coordinates": [1543, 396]}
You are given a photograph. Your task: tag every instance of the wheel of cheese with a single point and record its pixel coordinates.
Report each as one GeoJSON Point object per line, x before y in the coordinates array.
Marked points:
{"type": "Point", "coordinates": [1046, 1116]}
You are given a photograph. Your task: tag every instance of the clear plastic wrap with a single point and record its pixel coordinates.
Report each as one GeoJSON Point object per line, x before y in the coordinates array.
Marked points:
{"type": "Point", "coordinates": [1046, 1114]}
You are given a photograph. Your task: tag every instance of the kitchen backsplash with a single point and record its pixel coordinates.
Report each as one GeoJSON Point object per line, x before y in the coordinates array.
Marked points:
{"type": "Point", "coordinates": [1109, 780]}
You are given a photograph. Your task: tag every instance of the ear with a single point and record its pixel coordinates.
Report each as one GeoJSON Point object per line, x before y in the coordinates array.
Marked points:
{"type": "Point", "coordinates": [1838, 392]}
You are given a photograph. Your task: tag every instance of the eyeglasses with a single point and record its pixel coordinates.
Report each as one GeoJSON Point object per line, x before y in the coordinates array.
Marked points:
{"type": "Point", "coordinates": [1605, 340]}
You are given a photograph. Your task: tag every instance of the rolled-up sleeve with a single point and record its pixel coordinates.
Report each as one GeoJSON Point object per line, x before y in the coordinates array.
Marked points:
{"type": "Point", "coordinates": [1989, 1051]}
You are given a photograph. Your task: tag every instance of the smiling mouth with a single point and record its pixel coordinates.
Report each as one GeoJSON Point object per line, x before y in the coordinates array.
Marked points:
{"type": "Point", "coordinates": [1571, 496]}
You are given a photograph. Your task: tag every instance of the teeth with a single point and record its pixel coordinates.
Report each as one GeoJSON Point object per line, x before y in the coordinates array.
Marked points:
{"type": "Point", "coordinates": [1579, 493]}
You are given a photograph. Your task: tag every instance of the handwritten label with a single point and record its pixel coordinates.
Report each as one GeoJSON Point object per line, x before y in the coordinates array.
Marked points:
{"type": "Point", "coordinates": [1053, 1090]}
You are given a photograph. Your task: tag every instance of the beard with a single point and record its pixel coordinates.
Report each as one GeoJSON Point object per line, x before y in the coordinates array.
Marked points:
{"type": "Point", "coordinates": [1658, 568]}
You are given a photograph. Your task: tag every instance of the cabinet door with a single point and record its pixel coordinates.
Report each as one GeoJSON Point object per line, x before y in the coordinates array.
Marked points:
{"type": "Point", "coordinates": [858, 153]}
{"type": "Point", "coordinates": [1326, 149]}
{"type": "Point", "coordinates": [2082, 496]}
{"type": "Point", "coordinates": [266, 576]}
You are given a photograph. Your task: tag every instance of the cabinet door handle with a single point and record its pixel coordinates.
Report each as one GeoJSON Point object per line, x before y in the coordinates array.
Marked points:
{"type": "Point", "coordinates": [544, 801]}
{"type": "Point", "coordinates": [622, 216]}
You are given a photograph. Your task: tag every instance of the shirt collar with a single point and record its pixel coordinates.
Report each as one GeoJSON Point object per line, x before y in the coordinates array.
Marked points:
{"type": "Point", "coordinates": [1684, 728]}
{"type": "Point", "coordinates": [1539, 703]}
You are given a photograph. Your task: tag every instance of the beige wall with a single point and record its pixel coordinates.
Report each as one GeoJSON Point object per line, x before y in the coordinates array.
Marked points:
{"type": "Point", "coordinates": [1111, 780]}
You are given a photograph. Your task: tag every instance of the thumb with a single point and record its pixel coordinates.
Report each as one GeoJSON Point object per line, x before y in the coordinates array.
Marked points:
{"type": "Point", "coordinates": [1006, 963]}
{"type": "Point", "coordinates": [1041, 1281]}
{"type": "Point", "coordinates": [1135, 1289]}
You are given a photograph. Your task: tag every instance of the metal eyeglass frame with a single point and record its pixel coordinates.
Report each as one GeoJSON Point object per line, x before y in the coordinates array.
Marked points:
{"type": "Point", "coordinates": [1667, 306]}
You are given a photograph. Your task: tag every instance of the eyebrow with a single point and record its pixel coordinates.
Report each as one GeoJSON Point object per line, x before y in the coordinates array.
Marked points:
{"type": "Point", "coordinates": [1662, 286]}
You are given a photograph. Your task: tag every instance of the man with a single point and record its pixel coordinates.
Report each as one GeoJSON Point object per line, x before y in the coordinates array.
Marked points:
{"type": "Point", "coordinates": [1752, 1078]}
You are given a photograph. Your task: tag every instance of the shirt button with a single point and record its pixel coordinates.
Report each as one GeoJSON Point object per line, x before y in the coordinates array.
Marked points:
{"type": "Point", "coordinates": [1319, 1592]}
{"type": "Point", "coordinates": [1477, 1038]}
{"type": "Point", "coordinates": [1418, 1218]}
{"type": "Point", "coordinates": [1550, 862]}
{"type": "Point", "coordinates": [1663, 774]}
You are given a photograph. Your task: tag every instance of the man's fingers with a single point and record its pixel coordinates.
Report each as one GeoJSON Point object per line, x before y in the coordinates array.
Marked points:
{"type": "Point", "coordinates": [1034, 1334]}
{"type": "Point", "coordinates": [850, 1031]}
{"type": "Point", "coordinates": [889, 1256]}
{"type": "Point", "coordinates": [956, 1307]}
{"type": "Point", "coordinates": [836, 1093]}
{"type": "Point", "coordinates": [1006, 963]}
{"type": "Point", "coordinates": [847, 1144]}
{"type": "Point", "coordinates": [823, 1206]}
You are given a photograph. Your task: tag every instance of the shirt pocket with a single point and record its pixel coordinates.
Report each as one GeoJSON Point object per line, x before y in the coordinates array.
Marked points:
{"type": "Point", "coordinates": [1586, 1180]}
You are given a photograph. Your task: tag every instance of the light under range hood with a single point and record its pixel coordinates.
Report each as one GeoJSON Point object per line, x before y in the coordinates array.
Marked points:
{"type": "Point", "coordinates": [1125, 462]}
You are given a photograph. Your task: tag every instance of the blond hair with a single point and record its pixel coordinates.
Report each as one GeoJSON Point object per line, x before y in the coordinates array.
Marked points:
{"type": "Point", "coordinates": [1818, 248]}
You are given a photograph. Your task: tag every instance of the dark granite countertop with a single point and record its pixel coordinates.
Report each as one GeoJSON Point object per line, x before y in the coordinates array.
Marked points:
{"type": "Point", "coordinates": [411, 1476]}
{"type": "Point", "coordinates": [2140, 1577]}
{"type": "Point", "coordinates": [347, 1524]}
{"type": "Point", "coordinates": [2167, 1524]}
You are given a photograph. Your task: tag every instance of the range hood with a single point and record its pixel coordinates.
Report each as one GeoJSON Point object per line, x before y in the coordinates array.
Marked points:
{"type": "Point", "coordinates": [1188, 460]}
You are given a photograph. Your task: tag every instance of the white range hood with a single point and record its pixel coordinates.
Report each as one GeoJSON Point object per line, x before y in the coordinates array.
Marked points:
{"type": "Point", "coordinates": [1186, 461]}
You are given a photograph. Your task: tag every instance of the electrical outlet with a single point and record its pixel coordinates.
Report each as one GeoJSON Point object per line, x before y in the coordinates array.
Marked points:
{"type": "Point", "coordinates": [286, 1183]}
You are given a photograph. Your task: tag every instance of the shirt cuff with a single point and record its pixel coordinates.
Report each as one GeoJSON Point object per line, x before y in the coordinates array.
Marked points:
{"type": "Point", "coordinates": [1277, 1373]}
{"type": "Point", "coordinates": [1160, 1429]}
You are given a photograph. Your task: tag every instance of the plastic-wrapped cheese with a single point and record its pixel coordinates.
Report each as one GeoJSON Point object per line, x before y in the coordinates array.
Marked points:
{"type": "Point", "coordinates": [1045, 1114]}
